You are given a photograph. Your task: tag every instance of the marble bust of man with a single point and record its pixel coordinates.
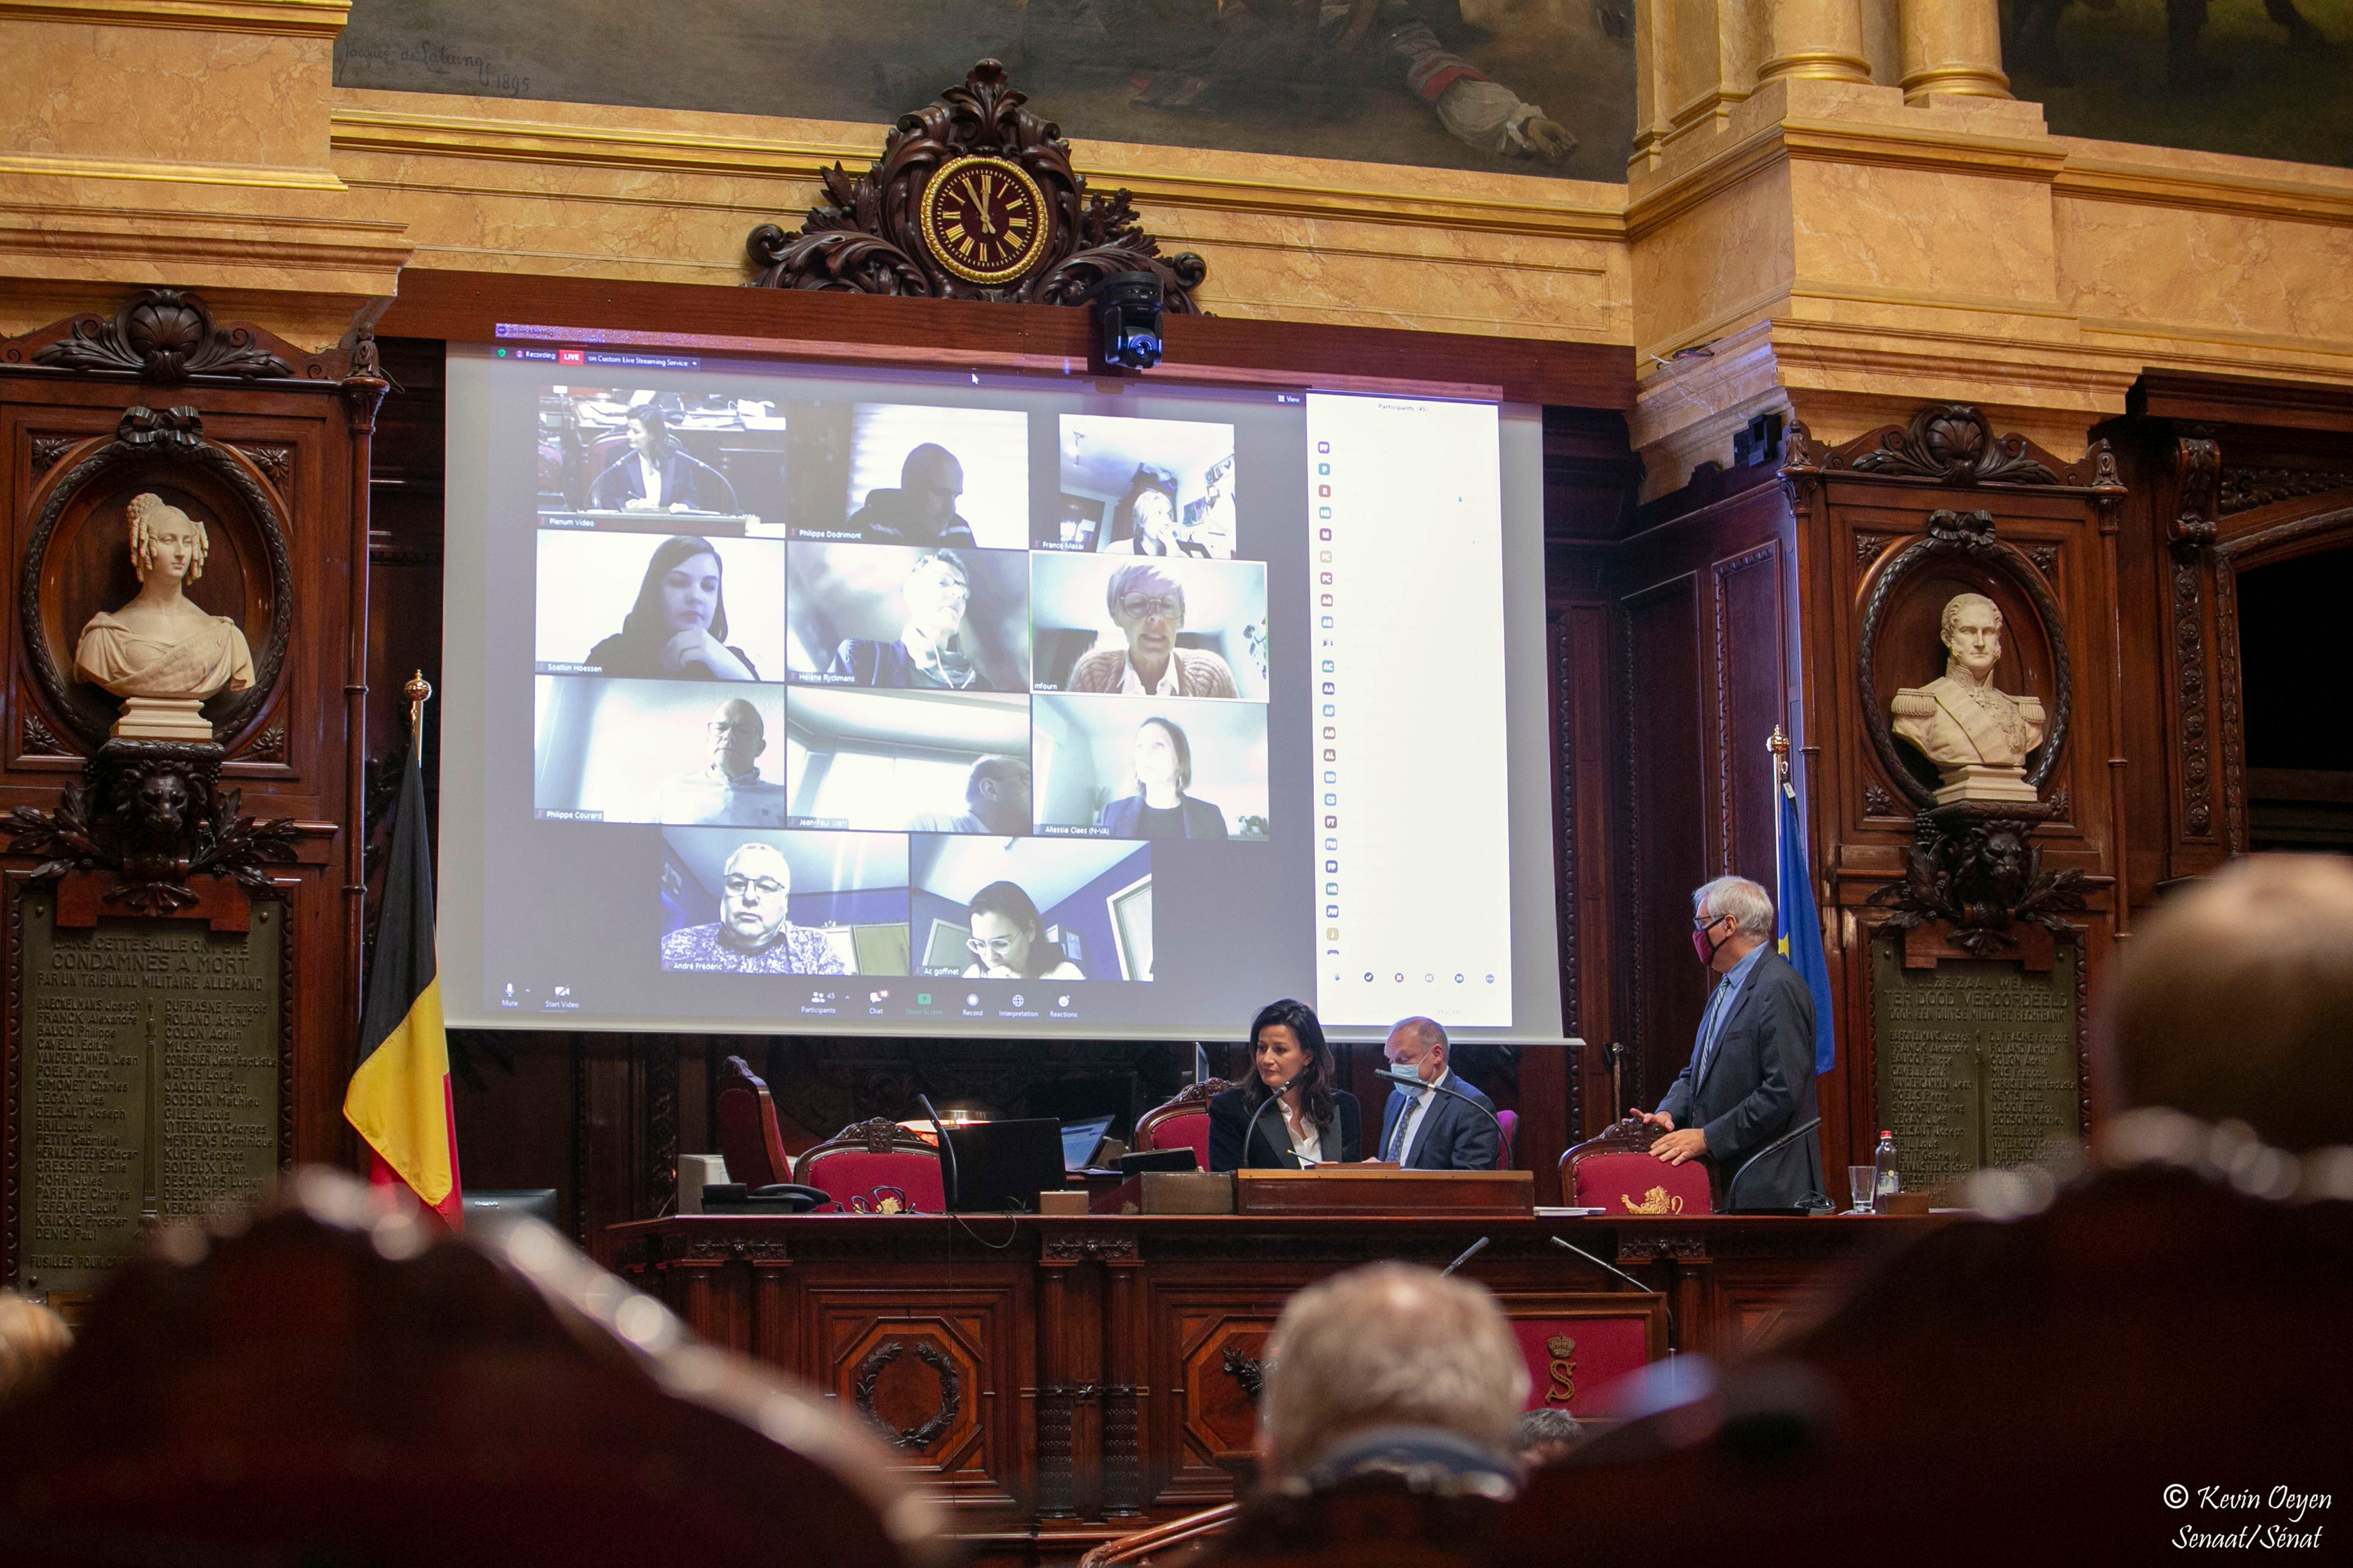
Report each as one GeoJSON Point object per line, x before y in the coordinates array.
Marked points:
{"type": "Point", "coordinates": [162, 653]}
{"type": "Point", "coordinates": [1979, 737]}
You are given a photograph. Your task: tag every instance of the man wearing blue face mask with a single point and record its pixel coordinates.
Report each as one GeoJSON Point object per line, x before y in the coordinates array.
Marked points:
{"type": "Point", "coordinates": [1751, 1076]}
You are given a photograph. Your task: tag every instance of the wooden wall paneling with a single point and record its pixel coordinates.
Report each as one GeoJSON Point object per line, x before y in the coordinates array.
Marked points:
{"type": "Point", "coordinates": [287, 758]}
{"type": "Point", "coordinates": [1666, 838]}
{"type": "Point", "coordinates": [1585, 639]}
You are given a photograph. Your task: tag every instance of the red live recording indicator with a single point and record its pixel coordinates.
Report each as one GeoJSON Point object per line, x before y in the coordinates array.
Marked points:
{"type": "Point", "coordinates": [572, 356]}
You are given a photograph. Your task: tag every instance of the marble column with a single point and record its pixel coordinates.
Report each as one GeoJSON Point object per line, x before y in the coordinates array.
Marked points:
{"type": "Point", "coordinates": [1952, 48]}
{"type": "Point", "coordinates": [1821, 39]}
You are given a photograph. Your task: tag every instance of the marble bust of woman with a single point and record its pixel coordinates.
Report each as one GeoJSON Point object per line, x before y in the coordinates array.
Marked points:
{"type": "Point", "coordinates": [161, 652]}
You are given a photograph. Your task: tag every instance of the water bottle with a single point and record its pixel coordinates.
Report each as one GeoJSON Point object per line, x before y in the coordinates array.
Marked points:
{"type": "Point", "coordinates": [1883, 1179]}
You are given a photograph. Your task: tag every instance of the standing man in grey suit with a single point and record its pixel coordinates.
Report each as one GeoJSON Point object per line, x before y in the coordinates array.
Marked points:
{"type": "Point", "coordinates": [1429, 1130]}
{"type": "Point", "coordinates": [1751, 1077]}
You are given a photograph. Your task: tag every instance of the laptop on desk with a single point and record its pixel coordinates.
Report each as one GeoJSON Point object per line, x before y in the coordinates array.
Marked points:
{"type": "Point", "coordinates": [1000, 1167]}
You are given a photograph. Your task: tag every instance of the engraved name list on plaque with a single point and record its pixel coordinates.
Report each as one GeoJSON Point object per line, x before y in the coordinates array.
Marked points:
{"type": "Point", "coordinates": [150, 1076]}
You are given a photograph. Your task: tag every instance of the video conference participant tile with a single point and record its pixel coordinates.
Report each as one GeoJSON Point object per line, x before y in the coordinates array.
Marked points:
{"type": "Point", "coordinates": [1030, 909]}
{"type": "Point", "coordinates": [896, 616]}
{"type": "Point", "coordinates": [929, 476]}
{"type": "Point", "coordinates": [684, 607]}
{"type": "Point", "coordinates": [889, 761]}
{"type": "Point", "coordinates": [1139, 767]}
{"type": "Point", "coordinates": [632, 458]}
{"type": "Point", "coordinates": [1144, 487]}
{"type": "Point", "coordinates": [1166, 627]}
{"type": "Point", "coordinates": [737, 902]}
{"type": "Point", "coordinates": [658, 751]}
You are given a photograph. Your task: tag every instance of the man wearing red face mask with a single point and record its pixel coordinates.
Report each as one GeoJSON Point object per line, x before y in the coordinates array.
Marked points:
{"type": "Point", "coordinates": [1751, 1077]}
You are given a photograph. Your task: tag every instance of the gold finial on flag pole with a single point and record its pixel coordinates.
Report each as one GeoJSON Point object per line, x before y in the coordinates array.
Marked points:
{"type": "Point", "coordinates": [1778, 745]}
{"type": "Point", "coordinates": [419, 691]}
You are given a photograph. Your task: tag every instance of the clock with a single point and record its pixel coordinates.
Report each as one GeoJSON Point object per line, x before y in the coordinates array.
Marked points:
{"type": "Point", "coordinates": [983, 219]}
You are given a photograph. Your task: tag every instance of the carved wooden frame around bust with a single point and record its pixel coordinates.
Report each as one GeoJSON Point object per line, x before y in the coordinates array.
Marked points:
{"type": "Point", "coordinates": [149, 442]}
{"type": "Point", "coordinates": [864, 237]}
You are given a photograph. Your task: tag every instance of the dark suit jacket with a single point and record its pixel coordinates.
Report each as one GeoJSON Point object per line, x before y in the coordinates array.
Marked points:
{"type": "Point", "coordinates": [890, 518]}
{"type": "Point", "coordinates": [1759, 1084]}
{"type": "Point", "coordinates": [1270, 1148]}
{"type": "Point", "coordinates": [685, 477]}
{"type": "Point", "coordinates": [1454, 1136]}
{"type": "Point", "coordinates": [870, 661]}
{"type": "Point", "coordinates": [1120, 817]}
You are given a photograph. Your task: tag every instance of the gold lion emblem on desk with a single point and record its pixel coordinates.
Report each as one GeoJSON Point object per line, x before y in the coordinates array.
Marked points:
{"type": "Point", "coordinates": [1655, 1201]}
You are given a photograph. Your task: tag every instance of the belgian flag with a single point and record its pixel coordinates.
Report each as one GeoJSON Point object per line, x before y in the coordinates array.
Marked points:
{"type": "Point", "coordinates": [399, 1095]}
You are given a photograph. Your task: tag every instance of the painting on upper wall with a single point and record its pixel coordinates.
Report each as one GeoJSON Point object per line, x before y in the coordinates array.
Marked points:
{"type": "Point", "coordinates": [2266, 78]}
{"type": "Point", "coordinates": [1537, 86]}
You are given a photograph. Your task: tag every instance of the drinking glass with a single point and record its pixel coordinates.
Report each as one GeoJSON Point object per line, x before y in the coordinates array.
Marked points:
{"type": "Point", "coordinates": [1859, 1179]}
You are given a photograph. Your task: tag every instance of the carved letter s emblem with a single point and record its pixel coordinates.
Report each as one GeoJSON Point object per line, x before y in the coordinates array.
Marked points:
{"type": "Point", "coordinates": [1563, 1370]}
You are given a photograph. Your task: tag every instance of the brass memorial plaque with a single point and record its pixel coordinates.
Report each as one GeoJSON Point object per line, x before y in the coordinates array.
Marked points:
{"type": "Point", "coordinates": [150, 1075]}
{"type": "Point", "coordinates": [1977, 1059]}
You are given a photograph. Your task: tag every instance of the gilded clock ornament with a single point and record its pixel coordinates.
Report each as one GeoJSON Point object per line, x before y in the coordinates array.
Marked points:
{"type": "Point", "coordinates": [983, 219]}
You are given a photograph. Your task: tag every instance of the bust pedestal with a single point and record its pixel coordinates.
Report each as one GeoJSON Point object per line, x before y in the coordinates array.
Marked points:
{"type": "Point", "coordinates": [1980, 781]}
{"type": "Point", "coordinates": [164, 719]}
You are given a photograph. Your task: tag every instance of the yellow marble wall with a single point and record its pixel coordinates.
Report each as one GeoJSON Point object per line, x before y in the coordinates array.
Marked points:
{"type": "Point", "coordinates": [1836, 250]}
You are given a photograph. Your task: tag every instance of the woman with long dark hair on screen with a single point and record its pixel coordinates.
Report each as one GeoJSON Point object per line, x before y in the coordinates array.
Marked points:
{"type": "Point", "coordinates": [678, 629]}
{"type": "Point", "coordinates": [1160, 808]}
{"type": "Point", "coordinates": [1315, 1123]}
{"type": "Point", "coordinates": [1009, 941]}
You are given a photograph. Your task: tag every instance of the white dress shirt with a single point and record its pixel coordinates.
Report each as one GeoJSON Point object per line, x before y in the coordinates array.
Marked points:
{"type": "Point", "coordinates": [1409, 1127]}
{"type": "Point", "coordinates": [651, 471]}
{"type": "Point", "coordinates": [1130, 685]}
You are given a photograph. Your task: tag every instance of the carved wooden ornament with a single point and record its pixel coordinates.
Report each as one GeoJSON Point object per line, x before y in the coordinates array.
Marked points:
{"type": "Point", "coordinates": [973, 198]}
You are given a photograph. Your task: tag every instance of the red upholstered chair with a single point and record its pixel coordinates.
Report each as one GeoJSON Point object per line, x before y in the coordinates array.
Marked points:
{"type": "Point", "coordinates": [1183, 1122]}
{"type": "Point", "coordinates": [1511, 1122]}
{"type": "Point", "coordinates": [1615, 1171]}
{"type": "Point", "coordinates": [876, 1167]}
{"type": "Point", "coordinates": [749, 1139]}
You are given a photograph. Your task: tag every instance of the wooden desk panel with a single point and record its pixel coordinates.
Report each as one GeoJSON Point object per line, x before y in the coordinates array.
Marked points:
{"type": "Point", "coordinates": [1063, 1380]}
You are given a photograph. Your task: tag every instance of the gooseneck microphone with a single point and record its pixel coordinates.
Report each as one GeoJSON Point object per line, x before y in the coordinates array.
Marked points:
{"type": "Point", "coordinates": [1414, 1083]}
{"type": "Point", "coordinates": [1250, 1132]}
{"type": "Point", "coordinates": [1665, 1304]}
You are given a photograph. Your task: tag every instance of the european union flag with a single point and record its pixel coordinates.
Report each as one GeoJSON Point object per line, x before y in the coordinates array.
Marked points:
{"type": "Point", "coordinates": [1801, 928]}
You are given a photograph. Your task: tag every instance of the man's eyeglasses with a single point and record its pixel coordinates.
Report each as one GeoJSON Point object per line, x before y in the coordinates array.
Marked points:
{"type": "Point", "coordinates": [1701, 922]}
{"type": "Point", "coordinates": [766, 887]}
{"type": "Point", "coordinates": [1137, 607]}
{"type": "Point", "coordinates": [995, 947]}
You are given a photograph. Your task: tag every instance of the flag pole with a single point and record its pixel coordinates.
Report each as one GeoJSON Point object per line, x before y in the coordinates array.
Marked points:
{"type": "Point", "coordinates": [419, 691]}
{"type": "Point", "coordinates": [1778, 745]}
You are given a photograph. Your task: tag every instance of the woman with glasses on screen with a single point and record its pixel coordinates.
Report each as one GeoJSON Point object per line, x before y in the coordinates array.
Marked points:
{"type": "Point", "coordinates": [1160, 808]}
{"type": "Point", "coordinates": [1009, 940]}
{"type": "Point", "coordinates": [937, 591]}
{"type": "Point", "coordinates": [1313, 1123]}
{"type": "Point", "coordinates": [678, 629]}
{"type": "Point", "coordinates": [1147, 605]}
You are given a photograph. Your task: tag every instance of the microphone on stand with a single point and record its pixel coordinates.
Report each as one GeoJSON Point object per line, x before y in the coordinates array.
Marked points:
{"type": "Point", "coordinates": [1251, 1132]}
{"type": "Point", "coordinates": [1665, 1304]}
{"type": "Point", "coordinates": [1413, 1082]}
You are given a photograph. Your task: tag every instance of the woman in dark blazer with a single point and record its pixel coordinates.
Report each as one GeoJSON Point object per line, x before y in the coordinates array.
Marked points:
{"type": "Point", "coordinates": [1160, 807]}
{"type": "Point", "coordinates": [1312, 1119]}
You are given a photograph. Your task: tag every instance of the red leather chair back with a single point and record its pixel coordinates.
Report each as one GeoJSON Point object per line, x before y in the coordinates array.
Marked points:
{"type": "Point", "coordinates": [1183, 1122]}
{"type": "Point", "coordinates": [1615, 1172]}
{"type": "Point", "coordinates": [876, 1167]}
{"type": "Point", "coordinates": [749, 1139]}
{"type": "Point", "coordinates": [1511, 1120]}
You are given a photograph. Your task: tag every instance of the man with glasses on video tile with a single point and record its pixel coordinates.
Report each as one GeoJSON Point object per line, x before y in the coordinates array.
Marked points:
{"type": "Point", "coordinates": [922, 509]}
{"type": "Point", "coordinates": [1147, 605]}
{"type": "Point", "coordinates": [752, 936]}
{"type": "Point", "coordinates": [995, 798]}
{"type": "Point", "coordinates": [928, 654]}
{"type": "Point", "coordinates": [730, 792]}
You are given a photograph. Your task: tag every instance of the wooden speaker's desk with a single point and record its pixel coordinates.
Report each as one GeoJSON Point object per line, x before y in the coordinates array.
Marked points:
{"type": "Point", "coordinates": [1062, 1380]}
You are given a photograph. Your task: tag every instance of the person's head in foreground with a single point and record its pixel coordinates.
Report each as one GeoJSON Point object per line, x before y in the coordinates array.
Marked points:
{"type": "Point", "coordinates": [2237, 1003]}
{"type": "Point", "coordinates": [1544, 1437]}
{"type": "Point", "coordinates": [1363, 1355]}
{"type": "Point", "coordinates": [32, 1340]}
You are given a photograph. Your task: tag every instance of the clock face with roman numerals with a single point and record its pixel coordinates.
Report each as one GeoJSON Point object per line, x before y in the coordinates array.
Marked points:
{"type": "Point", "coordinates": [985, 219]}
